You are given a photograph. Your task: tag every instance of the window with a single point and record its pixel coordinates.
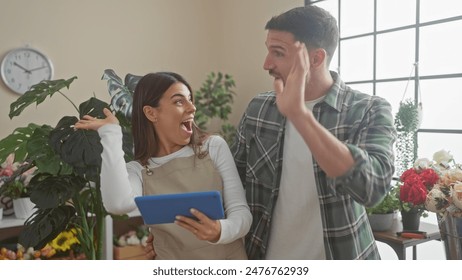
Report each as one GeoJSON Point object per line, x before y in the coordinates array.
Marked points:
{"type": "Point", "coordinates": [406, 48]}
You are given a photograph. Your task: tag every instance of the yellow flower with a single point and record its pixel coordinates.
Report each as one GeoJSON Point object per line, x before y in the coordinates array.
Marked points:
{"type": "Point", "coordinates": [64, 241]}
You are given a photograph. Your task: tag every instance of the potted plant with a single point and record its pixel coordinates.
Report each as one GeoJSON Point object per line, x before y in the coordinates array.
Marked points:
{"type": "Point", "coordinates": [14, 180]}
{"type": "Point", "coordinates": [381, 216]}
{"type": "Point", "coordinates": [65, 187]}
{"type": "Point", "coordinates": [213, 100]}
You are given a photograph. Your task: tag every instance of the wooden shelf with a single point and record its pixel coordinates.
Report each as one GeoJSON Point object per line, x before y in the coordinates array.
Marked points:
{"type": "Point", "coordinates": [11, 221]}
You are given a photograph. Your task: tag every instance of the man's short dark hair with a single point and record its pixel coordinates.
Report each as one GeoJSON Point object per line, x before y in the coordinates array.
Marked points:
{"type": "Point", "coordinates": [311, 25]}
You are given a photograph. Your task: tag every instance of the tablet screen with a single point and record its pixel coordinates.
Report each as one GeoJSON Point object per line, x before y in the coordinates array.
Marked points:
{"type": "Point", "coordinates": [163, 208]}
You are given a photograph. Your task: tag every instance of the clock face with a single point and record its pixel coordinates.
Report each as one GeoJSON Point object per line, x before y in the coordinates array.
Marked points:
{"type": "Point", "coordinates": [22, 68]}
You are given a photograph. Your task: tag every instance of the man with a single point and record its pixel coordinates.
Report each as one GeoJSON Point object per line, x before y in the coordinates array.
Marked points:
{"type": "Point", "coordinates": [314, 153]}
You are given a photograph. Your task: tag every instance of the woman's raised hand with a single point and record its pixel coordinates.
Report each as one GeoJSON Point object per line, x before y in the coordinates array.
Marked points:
{"type": "Point", "coordinates": [92, 123]}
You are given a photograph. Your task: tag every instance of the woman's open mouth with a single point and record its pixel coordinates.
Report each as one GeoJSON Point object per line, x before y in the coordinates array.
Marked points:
{"type": "Point", "coordinates": [187, 126]}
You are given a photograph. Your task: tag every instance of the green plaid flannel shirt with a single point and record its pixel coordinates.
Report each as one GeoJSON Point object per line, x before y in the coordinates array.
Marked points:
{"type": "Point", "coordinates": [365, 124]}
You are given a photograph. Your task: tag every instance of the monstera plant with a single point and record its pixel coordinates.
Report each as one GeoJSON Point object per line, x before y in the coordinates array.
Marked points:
{"type": "Point", "coordinates": [66, 185]}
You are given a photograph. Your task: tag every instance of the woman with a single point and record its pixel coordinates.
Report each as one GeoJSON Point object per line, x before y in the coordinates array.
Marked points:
{"type": "Point", "coordinates": [172, 155]}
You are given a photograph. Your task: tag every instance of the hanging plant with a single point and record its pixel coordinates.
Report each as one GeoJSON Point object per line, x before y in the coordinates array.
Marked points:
{"type": "Point", "coordinates": [407, 122]}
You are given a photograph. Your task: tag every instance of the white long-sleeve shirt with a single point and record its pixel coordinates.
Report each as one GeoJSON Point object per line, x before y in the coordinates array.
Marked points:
{"type": "Point", "coordinates": [121, 182]}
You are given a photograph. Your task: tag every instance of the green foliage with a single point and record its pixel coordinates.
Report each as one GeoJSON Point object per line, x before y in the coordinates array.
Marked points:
{"type": "Point", "coordinates": [389, 204]}
{"type": "Point", "coordinates": [213, 100]}
{"type": "Point", "coordinates": [407, 124]}
{"type": "Point", "coordinates": [38, 94]}
{"type": "Point", "coordinates": [66, 186]}
{"type": "Point", "coordinates": [14, 189]}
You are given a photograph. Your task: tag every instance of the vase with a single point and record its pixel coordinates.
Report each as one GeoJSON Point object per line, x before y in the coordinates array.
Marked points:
{"type": "Point", "coordinates": [23, 207]}
{"type": "Point", "coordinates": [381, 222]}
{"type": "Point", "coordinates": [410, 219]}
{"type": "Point", "coordinates": [451, 235]}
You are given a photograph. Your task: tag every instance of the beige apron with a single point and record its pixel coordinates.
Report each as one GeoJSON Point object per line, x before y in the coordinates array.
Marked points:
{"type": "Point", "coordinates": [187, 174]}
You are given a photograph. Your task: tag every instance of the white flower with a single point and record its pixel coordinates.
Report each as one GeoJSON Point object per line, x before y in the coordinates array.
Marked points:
{"type": "Point", "coordinates": [442, 157]}
{"type": "Point", "coordinates": [457, 195]}
{"type": "Point", "coordinates": [422, 163]}
{"type": "Point", "coordinates": [122, 241]}
{"type": "Point", "coordinates": [133, 240]}
{"type": "Point", "coordinates": [143, 240]}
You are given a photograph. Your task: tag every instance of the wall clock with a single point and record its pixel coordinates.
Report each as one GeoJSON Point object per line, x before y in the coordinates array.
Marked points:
{"type": "Point", "coordinates": [22, 68]}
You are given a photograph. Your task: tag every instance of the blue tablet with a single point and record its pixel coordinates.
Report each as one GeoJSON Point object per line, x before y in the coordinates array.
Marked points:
{"type": "Point", "coordinates": [163, 208]}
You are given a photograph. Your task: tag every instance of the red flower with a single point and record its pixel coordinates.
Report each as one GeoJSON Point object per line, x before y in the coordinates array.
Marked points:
{"type": "Point", "coordinates": [416, 184]}
{"type": "Point", "coordinates": [413, 191]}
{"type": "Point", "coordinates": [429, 177]}
{"type": "Point", "coordinates": [407, 173]}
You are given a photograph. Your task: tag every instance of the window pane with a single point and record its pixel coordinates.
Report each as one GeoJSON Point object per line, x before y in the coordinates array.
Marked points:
{"type": "Point", "coordinates": [356, 62]}
{"type": "Point", "coordinates": [395, 92]}
{"type": "Point", "coordinates": [441, 103]}
{"type": "Point", "coordinates": [388, 16]}
{"type": "Point", "coordinates": [332, 7]}
{"type": "Point", "coordinates": [395, 54]}
{"type": "Point", "coordinates": [429, 143]}
{"type": "Point", "coordinates": [357, 17]}
{"type": "Point", "coordinates": [433, 10]}
{"type": "Point", "coordinates": [440, 49]}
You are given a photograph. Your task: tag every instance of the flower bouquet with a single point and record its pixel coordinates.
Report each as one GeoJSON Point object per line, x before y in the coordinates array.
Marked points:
{"type": "Point", "coordinates": [445, 196]}
{"type": "Point", "coordinates": [445, 199]}
{"type": "Point", "coordinates": [414, 185]}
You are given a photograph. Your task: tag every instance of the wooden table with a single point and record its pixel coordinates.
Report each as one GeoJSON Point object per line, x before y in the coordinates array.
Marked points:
{"type": "Point", "coordinates": [400, 244]}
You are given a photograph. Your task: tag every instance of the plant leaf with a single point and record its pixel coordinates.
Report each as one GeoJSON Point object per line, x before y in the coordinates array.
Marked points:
{"type": "Point", "coordinates": [16, 143]}
{"type": "Point", "coordinates": [52, 191]}
{"type": "Point", "coordinates": [121, 95]}
{"type": "Point", "coordinates": [93, 107]}
{"type": "Point", "coordinates": [44, 225]}
{"type": "Point", "coordinates": [43, 155]}
{"type": "Point", "coordinates": [79, 148]}
{"type": "Point", "coordinates": [37, 94]}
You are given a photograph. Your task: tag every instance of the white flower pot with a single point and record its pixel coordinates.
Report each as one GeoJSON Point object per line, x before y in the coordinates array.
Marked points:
{"type": "Point", "coordinates": [23, 207]}
{"type": "Point", "coordinates": [381, 222]}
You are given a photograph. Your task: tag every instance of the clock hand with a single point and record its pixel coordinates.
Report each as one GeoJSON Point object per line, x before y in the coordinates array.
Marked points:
{"type": "Point", "coordinates": [38, 68]}
{"type": "Point", "coordinates": [25, 70]}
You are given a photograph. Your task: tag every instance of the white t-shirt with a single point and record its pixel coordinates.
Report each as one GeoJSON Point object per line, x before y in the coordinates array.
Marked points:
{"type": "Point", "coordinates": [296, 226]}
{"type": "Point", "coordinates": [121, 182]}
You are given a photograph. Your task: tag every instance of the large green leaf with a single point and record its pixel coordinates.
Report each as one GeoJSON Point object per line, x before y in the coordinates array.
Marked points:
{"type": "Point", "coordinates": [42, 154]}
{"type": "Point", "coordinates": [37, 94]}
{"type": "Point", "coordinates": [44, 225]}
{"type": "Point", "coordinates": [121, 94]}
{"type": "Point", "coordinates": [93, 107]}
{"type": "Point", "coordinates": [50, 191]}
{"type": "Point", "coordinates": [16, 143]}
{"type": "Point", "coordinates": [79, 148]}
